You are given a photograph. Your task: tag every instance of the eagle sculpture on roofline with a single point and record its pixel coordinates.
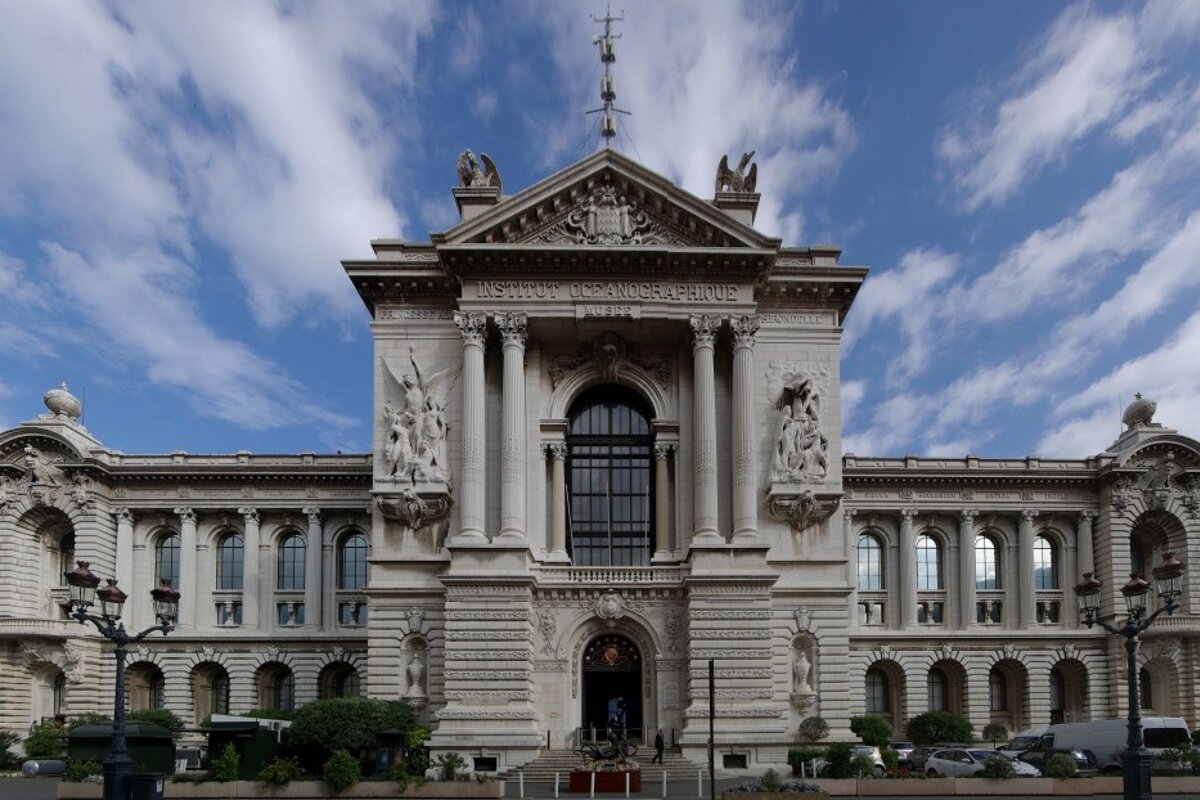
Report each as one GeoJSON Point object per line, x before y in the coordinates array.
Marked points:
{"type": "Point", "coordinates": [470, 173]}
{"type": "Point", "coordinates": [738, 180]}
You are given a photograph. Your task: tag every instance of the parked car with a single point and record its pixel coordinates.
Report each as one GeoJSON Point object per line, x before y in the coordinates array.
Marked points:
{"type": "Point", "coordinates": [1106, 737]}
{"type": "Point", "coordinates": [856, 751]}
{"type": "Point", "coordinates": [918, 755]}
{"type": "Point", "coordinates": [903, 751]}
{"type": "Point", "coordinates": [1025, 740]}
{"type": "Point", "coordinates": [956, 763]}
{"type": "Point", "coordinates": [1085, 760]}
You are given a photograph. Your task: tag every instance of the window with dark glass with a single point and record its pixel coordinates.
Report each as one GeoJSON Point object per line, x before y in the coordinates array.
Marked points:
{"type": "Point", "coordinates": [230, 562]}
{"type": "Point", "coordinates": [870, 562]}
{"type": "Point", "coordinates": [610, 479]}
{"type": "Point", "coordinates": [1137, 558]}
{"type": "Point", "coordinates": [929, 563]}
{"type": "Point", "coordinates": [938, 690]}
{"type": "Point", "coordinates": [352, 562]}
{"type": "Point", "coordinates": [987, 563]}
{"type": "Point", "coordinates": [1044, 574]}
{"type": "Point", "coordinates": [66, 556]}
{"type": "Point", "coordinates": [166, 559]}
{"type": "Point", "coordinates": [877, 692]}
{"type": "Point", "coordinates": [998, 690]}
{"type": "Point", "coordinates": [291, 563]}
{"type": "Point", "coordinates": [60, 694]}
{"type": "Point", "coordinates": [1145, 689]}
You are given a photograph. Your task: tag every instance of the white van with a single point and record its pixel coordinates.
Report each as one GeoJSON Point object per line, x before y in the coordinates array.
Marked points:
{"type": "Point", "coordinates": [1025, 740]}
{"type": "Point", "coordinates": [1106, 737]}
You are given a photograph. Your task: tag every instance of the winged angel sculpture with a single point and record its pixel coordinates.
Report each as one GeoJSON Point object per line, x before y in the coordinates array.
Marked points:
{"type": "Point", "coordinates": [415, 413]}
{"type": "Point", "coordinates": [470, 173]}
{"type": "Point", "coordinates": [738, 180]}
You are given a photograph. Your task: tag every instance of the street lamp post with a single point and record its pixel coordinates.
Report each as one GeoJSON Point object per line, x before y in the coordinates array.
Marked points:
{"type": "Point", "coordinates": [1136, 759]}
{"type": "Point", "coordinates": [118, 766]}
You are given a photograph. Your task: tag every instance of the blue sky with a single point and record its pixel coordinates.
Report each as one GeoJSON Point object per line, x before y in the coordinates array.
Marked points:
{"type": "Point", "coordinates": [179, 180]}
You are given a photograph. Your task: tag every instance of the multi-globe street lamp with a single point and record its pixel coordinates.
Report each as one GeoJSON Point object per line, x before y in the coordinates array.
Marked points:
{"type": "Point", "coordinates": [1136, 760]}
{"type": "Point", "coordinates": [118, 766]}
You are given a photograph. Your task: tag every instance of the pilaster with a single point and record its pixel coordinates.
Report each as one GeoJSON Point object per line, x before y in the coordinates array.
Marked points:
{"type": "Point", "coordinates": [252, 592]}
{"type": "Point", "coordinates": [313, 611]}
{"type": "Point", "coordinates": [188, 567]}
{"type": "Point", "coordinates": [557, 452]}
{"type": "Point", "coordinates": [966, 568]}
{"type": "Point", "coordinates": [908, 569]}
{"type": "Point", "coordinates": [1027, 611]}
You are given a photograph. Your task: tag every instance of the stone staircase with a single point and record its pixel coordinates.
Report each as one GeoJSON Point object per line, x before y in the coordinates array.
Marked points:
{"type": "Point", "coordinates": [542, 768]}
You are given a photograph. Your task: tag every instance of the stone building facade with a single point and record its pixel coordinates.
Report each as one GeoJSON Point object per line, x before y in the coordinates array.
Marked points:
{"type": "Point", "coordinates": [607, 451]}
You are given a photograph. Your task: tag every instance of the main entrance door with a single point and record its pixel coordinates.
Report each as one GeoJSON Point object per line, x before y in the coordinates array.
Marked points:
{"type": "Point", "coordinates": [612, 686]}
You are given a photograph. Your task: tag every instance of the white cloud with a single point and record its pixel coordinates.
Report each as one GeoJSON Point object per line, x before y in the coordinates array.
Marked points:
{"type": "Point", "coordinates": [486, 104]}
{"type": "Point", "coordinates": [852, 395]}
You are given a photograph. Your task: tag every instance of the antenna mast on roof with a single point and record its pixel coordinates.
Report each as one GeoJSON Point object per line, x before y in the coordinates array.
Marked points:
{"type": "Point", "coordinates": [608, 84]}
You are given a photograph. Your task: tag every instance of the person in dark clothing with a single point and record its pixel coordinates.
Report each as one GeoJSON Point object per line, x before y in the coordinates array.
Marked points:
{"type": "Point", "coordinates": [659, 744]}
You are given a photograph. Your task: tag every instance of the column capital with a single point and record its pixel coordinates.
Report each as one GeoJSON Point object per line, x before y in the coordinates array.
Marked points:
{"type": "Point", "coordinates": [123, 514]}
{"type": "Point", "coordinates": [313, 513]}
{"type": "Point", "coordinates": [907, 514]}
{"type": "Point", "coordinates": [557, 451]}
{"type": "Point", "coordinates": [704, 329]}
{"type": "Point", "coordinates": [1086, 516]}
{"type": "Point", "coordinates": [250, 515]}
{"type": "Point", "coordinates": [663, 451]}
{"type": "Point", "coordinates": [848, 513]}
{"type": "Point", "coordinates": [186, 514]}
{"type": "Point", "coordinates": [472, 325]}
{"type": "Point", "coordinates": [969, 514]}
{"type": "Point", "coordinates": [744, 327]}
{"type": "Point", "coordinates": [1028, 515]}
{"type": "Point", "coordinates": [512, 326]}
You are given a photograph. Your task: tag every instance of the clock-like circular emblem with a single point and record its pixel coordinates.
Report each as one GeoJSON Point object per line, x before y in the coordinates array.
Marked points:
{"type": "Point", "coordinates": [610, 606]}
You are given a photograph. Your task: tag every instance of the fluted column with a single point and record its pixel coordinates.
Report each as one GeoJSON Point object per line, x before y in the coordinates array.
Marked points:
{"type": "Point", "coordinates": [312, 568]}
{"type": "Point", "coordinates": [512, 426]}
{"type": "Point", "coordinates": [704, 430]}
{"type": "Point", "coordinates": [745, 500]}
{"type": "Point", "coordinates": [558, 497]}
{"type": "Point", "coordinates": [1086, 555]}
{"type": "Point", "coordinates": [187, 566]}
{"type": "Point", "coordinates": [253, 598]}
{"type": "Point", "coordinates": [662, 499]}
{"type": "Point", "coordinates": [473, 497]}
{"type": "Point", "coordinates": [124, 567]}
{"type": "Point", "coordinates": [966, 567]}
{"type": "Point", "coordinates": [1027, 612]}
{"type": "Point", "coordinates": [908, 568]}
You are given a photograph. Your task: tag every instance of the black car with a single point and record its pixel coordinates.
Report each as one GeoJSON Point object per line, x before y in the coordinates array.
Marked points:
{"type": "Point", "coordinates": [1085, 760]}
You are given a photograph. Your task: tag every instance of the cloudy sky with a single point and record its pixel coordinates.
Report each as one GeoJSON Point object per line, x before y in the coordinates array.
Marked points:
{"type": "Point", "coordinates": [179, 180]}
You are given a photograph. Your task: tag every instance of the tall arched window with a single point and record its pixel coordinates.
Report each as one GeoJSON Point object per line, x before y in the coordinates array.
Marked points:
{"type": "Point", "coordinates": [987, 563]}
{"type": "Point", "coordinates": [929, 563]}
{"type": "Point", "coordinates": [870, 562]}
{"type": "Point", "coordinates": [998, 690]}
{"type": "Point", "coordinates": [276, 688]}
{"type": "Point", "coordinates": [1045, 576]}
{"type": "Point", "coordinates": [66, 556]}
{"type": "Point", "coordinates": [1137, 557]}
{"type": "Point", "coordinates": [292, 551]}
{"type": "Point", "coordinates": [610, 479]}
{"type": "Point", "coordinates": [60, 695]}
{"type": "Point", "coordinates": [166, 559]}
{"type": "Point", "coordinates": [938, 690]}
{"type": "Point", "coordinates": [1058, 696]}
{"type": "Point", "coordinates": [878, 694]}
{"type": "Point", "coordinates": [230, 562]}
{"type": "Point", "coordinates": [352, 562]}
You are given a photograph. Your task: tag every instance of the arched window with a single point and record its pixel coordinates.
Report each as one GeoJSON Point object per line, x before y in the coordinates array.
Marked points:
{"type": "Point", "coordinates": [339, 680]}
{"type": "Point", "coordinates": [352, 562]}
{"type": "Point", "coordinates": [1145, 689]}
{"type": "Point", "coordinates": [1045, 576]}
{"type": "Point", "coordinates": [1137, 557]}
{"type": "Point", "coordinates": [938, 688]}
{"type": "Point", "coordinates": [998, 689]}
{"type": "Point", "coordinates": [66, 557]}
{"type": "Point", "coordinates": [210, 690]}
{"type": "Point", "coordinates": [281, 689]}
{"type": "Point", "coordinates": [292, 551]}
{"type": "Point", "coordinates": [878, 693]}
{"type": "Point", "coordinates": [870, 562]}
{"type": "Point", "coordinates": [230, 562]}
{"type": "Point", "coordinates": [929, 563]}
{"type": "Point", "coordinates": [987, 563]}
{"type": "Point", "coordinates": [610, 479]}
{"type": "Point", "coordinates": [145, 686]}
{"type": "Point", "coordinates": [60, 695]}
{"type": "Point", "coordinates": [1058, 695]}
{"type": "Point", "coordinates": [166, 559]}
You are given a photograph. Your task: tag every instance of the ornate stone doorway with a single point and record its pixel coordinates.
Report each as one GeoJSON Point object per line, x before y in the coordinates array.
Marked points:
{"type": "Point", "coordinates": [612, 686]}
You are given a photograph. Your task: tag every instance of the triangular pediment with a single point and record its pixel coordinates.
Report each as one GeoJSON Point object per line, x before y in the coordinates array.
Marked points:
{"type": "Point", "coordinates": [606, 200]}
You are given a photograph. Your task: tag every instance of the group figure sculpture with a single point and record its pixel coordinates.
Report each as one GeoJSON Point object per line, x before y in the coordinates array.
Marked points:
{"type": "Point", "coordinates": [801, 450]}
{"type": "Point", "coordinates": [416, 448]}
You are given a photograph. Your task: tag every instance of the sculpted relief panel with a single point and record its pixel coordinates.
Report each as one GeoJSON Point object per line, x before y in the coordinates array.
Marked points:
{"type": "Point", "coordinates": [415, 414]}
{"type": "Point", "coordinates": [801, 453]}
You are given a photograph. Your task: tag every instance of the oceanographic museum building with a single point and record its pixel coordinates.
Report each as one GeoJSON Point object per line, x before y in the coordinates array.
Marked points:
{"type": "Point", "coordinates": [607, 450]}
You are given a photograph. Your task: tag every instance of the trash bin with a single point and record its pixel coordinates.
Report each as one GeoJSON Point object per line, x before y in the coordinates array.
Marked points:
{"type": "Point", "coordinates": [147, 787]}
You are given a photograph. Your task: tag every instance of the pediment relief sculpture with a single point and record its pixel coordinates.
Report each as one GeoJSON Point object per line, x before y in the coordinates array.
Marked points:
{"type": "Point", "coordinates": [610, 355]}
{"type": "Point", "coordinates": [607, 217]}
{"type": "Point", "coordinates": [414, 413]}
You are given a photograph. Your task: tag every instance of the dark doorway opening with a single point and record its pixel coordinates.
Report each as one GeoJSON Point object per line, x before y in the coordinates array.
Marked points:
{"type": "Point", "coordinates": [612, 687]}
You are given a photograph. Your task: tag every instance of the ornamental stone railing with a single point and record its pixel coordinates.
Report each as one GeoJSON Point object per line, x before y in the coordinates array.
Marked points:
{"type": "Point", "coordinates": [610, 576]}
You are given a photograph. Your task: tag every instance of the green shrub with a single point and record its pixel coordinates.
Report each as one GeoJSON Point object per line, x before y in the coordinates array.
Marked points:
{"type": "Point", "coordinates": [46, 740]}
{"type": "Point", "coordinates": [400, 775]}
{"type": "Point", "coordinates": [837, 761]}
{"type": "Point", "coordinates": [799, 758]}
{"type": "Point", "coordinates": [449, 764]}
{"type": "Point", "coordinates": [417, 762]}
{"type": "Point", "coordinates": [891, 759]}
{"type": "Point", "coordinates": [280, 772]}
{"type": "Point", "coordinates": [813, 729]}
{"type": "Point", "coordinates": [88, 718]}
{"type": "Point", "coordinates": [998, 768]}
{"type": "Point", "coordinates": [863, 766]}
{"type": "Point", "coordinates": [156, 716]}
{"type": "Point", "coordinates": [224, 768]}
{"type": "Point", "coordinates": [872, 730]}
{"type": "Point", "coordinates": [939, 726]}
{"type": "Point", "coordinates": [341, 771]}
{"type": "Point", "coordinates": [270, 713]}
{"type": "Point", "coordinates": [770, 782]}
{"type": "Point", "coordinates": [1060, 765]}
{"type": "Point", "coordinates": [1174, 759]}
{"type": "Point", "coordinates": [8, 759]}
{"type": "Point", "coordinates": [344, 723]}
{"type": "Point", "coordinates": [994, 732]}
{"type": "Point", "coordinates": [1196, 737]}
{"type": "Point", "coordinates": [78, 770]}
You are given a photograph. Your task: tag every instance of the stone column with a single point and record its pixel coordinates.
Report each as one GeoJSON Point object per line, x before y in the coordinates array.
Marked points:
{"type": "Point", "coordinates": [704, 430]}
{"type": "Point", "coordinates": [473, 497]}
{"type": "Point", "coordinates": [1083, 539]}
{"type": "Point", "coordinates": [662, 500]}
{"type": "Point", "coordinates": [187, 567]}
{"type": "Point", "coordinates": [513, 464]}
{"type": "Point", "coordinates": [745, 499]}
{"type": "Point", "coordinates": [850, 551]}
{"type": "Point", "coordinates": [558, 497]}
{"type": "Point", "coordinates": [908, 569]}
{"type": "Point", "coordinates": [966, 567]}
{"type": "Point", "coordinates": [1026, 601]}
{"type": "Point", "coordinates": [124, 567]}
{"type": "Point", "coordinates": [253, 599]}
{"type": "Point", "coordinates": [312, 568]}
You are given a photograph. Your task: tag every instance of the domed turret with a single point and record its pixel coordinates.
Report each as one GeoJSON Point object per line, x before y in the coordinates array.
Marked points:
{"type": "Point", "coordinates": [1139, 412]}
{"type": "Point", "coordinates": [62, 403]}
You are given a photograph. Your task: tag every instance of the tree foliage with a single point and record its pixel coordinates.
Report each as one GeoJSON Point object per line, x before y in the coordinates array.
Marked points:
{"type": "Point", "coordinates": [813, 729]}
{"type": "Point", "coordinates": [939, 726]}
{"type": "Point", "coordinates": [872, 730]}
{"type": "Point", "coordinates": [46, 740]}
{"type": "Point", "coordinates": [998, 768]}
{"type": "Point", "coordinates": [994, 732]}
{"type": "Point", "coordinates": [156, 716]}
{"type": "Point", "coordinates": [341, 771]}
{"type": "Point", "coordinates": [345, 723]}
{"type": "Point", "coordinates": [838, 761]}
{"type": "Point", "coordinates": [1060, 765]}
{"type": "Point", "coordinates": [224, 768]}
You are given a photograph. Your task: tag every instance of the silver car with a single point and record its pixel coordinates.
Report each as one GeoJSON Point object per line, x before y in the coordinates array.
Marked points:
{"type": "Point", "coordinates": [903, 752]}
{"type": "Point", "coordinates": [967, 763]}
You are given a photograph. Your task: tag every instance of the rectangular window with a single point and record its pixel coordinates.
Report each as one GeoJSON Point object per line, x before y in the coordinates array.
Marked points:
{"type": "Point", "coordinates": [229, 613]}
{"type": "Point", "coordinates": [352, 614]}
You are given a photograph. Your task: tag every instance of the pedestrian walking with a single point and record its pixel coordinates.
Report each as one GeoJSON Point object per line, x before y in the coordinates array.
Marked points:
{"type": "Point", "coordinates": [659, 744]}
